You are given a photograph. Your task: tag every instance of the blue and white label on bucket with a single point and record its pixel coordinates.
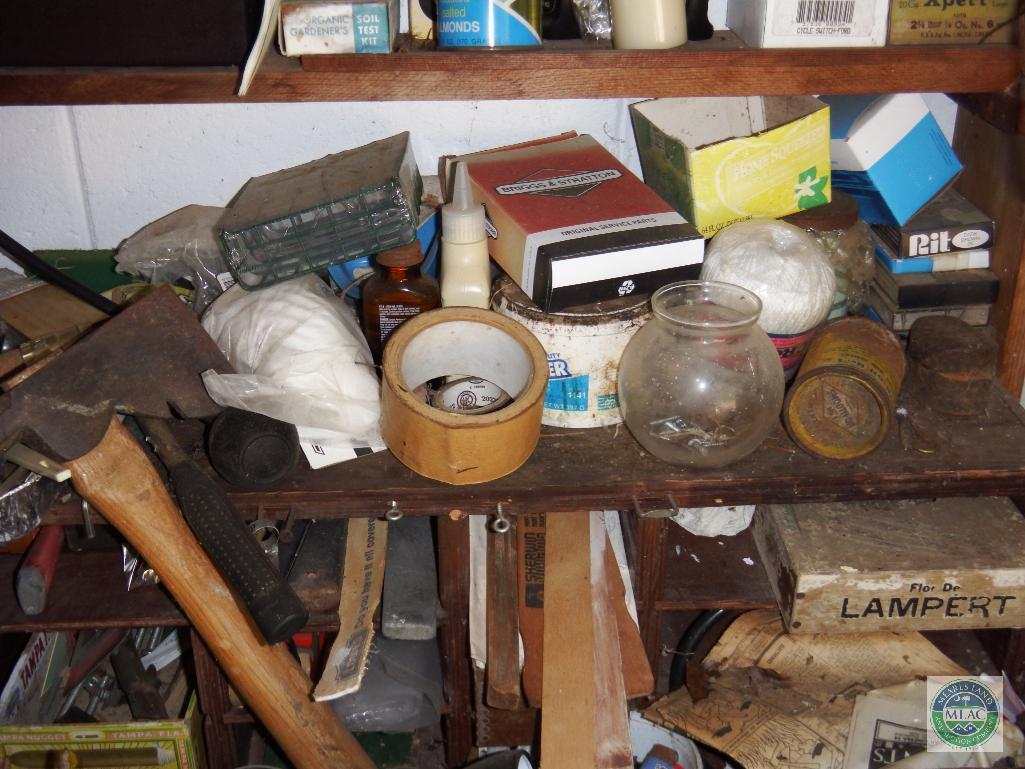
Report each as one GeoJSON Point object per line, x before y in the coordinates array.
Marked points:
{"type": "Point", "coordinates": [569, 394]}
{"type": "Point", "coordinates": [483, 24]}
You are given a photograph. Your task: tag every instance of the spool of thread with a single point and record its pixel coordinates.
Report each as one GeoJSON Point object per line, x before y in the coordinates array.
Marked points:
{"type": "Point", "coordinates": [789, 271]}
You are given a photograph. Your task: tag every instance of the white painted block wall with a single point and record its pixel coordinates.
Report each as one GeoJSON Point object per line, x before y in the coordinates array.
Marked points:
{"type": "Point", "coordinates": [88, 177]}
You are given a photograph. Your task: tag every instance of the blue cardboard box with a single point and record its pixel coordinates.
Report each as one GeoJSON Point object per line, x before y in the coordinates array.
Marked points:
{"type": "Point", "coordinates": [889, 153]}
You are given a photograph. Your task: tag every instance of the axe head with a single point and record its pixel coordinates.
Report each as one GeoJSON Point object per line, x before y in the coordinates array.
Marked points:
{"type": "Point", "coordinates": [146, 360]}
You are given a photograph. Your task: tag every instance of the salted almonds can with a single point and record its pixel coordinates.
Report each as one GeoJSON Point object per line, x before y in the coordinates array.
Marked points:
{"type": "Point", "coordinates": [844, 398]}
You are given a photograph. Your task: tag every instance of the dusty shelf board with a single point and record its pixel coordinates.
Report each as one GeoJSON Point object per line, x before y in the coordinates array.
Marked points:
{"type": "Point", "coordinates": [722, 66]}
{"type": "Point", "coordinates": [605, 468]}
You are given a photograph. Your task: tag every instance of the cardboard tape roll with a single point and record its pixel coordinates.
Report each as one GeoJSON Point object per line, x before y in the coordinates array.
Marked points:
{"type": "Point", "coordinates": [462, 341]}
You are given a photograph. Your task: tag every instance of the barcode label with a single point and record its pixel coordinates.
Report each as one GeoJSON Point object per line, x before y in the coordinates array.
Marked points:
{"type": "Point", "coordinates": [825, 13]}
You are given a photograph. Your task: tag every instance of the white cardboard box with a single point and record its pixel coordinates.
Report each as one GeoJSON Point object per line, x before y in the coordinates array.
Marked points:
{"type": "Point", "coordinates": [889, 153]}
{"type": "Point", "coordinates": [809, 23]}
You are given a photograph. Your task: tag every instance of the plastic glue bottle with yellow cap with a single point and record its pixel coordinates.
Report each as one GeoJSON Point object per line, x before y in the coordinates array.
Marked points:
{"type": "Point", "coordinates": [465, 269]}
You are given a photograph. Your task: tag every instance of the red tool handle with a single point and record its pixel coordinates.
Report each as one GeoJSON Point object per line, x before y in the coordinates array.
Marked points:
{"type": "Point", "coordinates": [35, 575]}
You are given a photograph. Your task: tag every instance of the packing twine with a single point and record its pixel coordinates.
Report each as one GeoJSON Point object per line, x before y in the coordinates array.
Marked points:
{"type": "Point", "coordinates": [783, 264]}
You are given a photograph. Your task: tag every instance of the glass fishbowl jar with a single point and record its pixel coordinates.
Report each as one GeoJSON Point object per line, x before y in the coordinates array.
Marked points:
{"type": "Point", "coordinates": [701, 384]}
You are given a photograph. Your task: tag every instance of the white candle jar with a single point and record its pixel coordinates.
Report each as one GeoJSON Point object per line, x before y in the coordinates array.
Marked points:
{"type": "Point", "coordinates": [649, 24]}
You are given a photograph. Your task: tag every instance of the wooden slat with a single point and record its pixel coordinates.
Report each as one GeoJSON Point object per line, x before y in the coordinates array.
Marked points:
{"type": "Point", "coordinates": [994, 179]}
{"type": "Point", "coordinates": [569, 731]}
{"type": "Point", "coordinates": [612, 729]}
{"type": "Point", "coordinates": [638, 679]}
{"type": "Point", "coordinates": [531, 535]}
{"type": "Point", "coordinates": [722, 66]}
{"type": "Point", "coordinates": [503, 671]}
{"type": "Point", "coordinates": [454, 593]}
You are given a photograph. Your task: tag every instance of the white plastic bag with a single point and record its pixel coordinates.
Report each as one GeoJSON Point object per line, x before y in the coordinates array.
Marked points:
{"type": "Point", "coordinates": [182, 244]}
{"type": "Point", "coordinates": [300, 356]}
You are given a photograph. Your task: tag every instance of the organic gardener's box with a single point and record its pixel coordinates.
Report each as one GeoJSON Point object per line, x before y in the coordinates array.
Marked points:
{"type": "Point", "coordinates": [723, 160]}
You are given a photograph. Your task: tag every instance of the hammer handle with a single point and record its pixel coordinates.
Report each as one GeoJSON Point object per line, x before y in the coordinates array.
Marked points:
{"type": "Point", "coordinates": [118, 479]}
{"type": "Point", "coordinates": [270, 600]}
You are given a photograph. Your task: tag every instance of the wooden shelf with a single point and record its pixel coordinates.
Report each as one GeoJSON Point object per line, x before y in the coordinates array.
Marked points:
{"type": "Point", "coordinates": [722, 66]}
{"type": "Point", "coordinates": [89, 592]}
{"type": "Point", "coordinates": [605, 468]}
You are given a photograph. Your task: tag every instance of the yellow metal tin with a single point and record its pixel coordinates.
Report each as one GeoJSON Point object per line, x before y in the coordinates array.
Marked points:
{"type": "Point", "coordinates": [843, 400]}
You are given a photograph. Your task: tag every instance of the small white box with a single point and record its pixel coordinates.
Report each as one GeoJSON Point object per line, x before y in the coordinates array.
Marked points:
{"type": "Point", "coordinates": [809, 23]}
{"type": "Point", "coordinates": [313, 27]}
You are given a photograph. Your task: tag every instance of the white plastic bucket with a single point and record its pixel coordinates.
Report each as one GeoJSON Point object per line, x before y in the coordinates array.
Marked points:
{"type": "Point", "coordinates": [583, 348]}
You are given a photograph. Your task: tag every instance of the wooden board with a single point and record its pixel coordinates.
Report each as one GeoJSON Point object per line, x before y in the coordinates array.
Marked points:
{"type": "Point", "coordinates": [47, 310]}
{"type": "Point", "coordinates": [569, 732]}
{"type": "Point", "coordinates": [611, 723]}
{"type": "Point", "coordinates": [994, 164]}
{"type": "Point", "coordinates": [638, 680]}
{"type": "Point", "coordinates": [716, 67]}
{"type": "Point", "coordinates": [605, 468]}
{"type": "Point", "coordinates": [531, 581]}
{"type": "Point", "coordinates": [903, 565]}
{"type": "Point", "coordinates": [503, 635]}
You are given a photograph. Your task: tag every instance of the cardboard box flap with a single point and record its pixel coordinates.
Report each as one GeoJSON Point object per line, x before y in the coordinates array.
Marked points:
{"type": "Point", "coordinates": [871, 127]}
{"type": "Point", "coordinates": [700, 122]}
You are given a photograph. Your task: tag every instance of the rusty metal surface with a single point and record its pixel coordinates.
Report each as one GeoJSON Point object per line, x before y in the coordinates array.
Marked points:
{"type": "Point", "coordinates": [147, 360]}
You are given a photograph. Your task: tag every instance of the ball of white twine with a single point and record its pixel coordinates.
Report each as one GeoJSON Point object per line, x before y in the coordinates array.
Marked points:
{"type": "Point", "coordinates": [784, 265]}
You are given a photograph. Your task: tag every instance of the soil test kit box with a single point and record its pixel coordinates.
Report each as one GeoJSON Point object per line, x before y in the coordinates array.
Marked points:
{"type": "Point", "coordinates": [723, 160]}
{"type": "Point", "coordinates": [315, 27]}
{"type": "Point", "coordinates": [572, 225]}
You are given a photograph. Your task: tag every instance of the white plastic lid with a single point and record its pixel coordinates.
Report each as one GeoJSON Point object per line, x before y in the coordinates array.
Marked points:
{"type": "Point", "coordinates": [461, 220]}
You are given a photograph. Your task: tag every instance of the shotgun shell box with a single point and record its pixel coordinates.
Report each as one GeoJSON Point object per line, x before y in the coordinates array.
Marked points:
{"type": "Point", "coordinates": [881, 309]}
{"type": "Point", "coordinates": [723, 160]}
{"type": "Point", "coordinates": [914, 290]}
{"type": "Point", "coordinates": [949, 222]}
{"type": "Point", "coordinates": [172, 744]}
{"type": "Point", "coordinates": [316, 27]}
{"type": "Point", "coordinates": [976, 259]}
{"type": "Point", "coordinates": [809, 23]}
{"type": "Point", "coordinates": [571, 225]}
{"type": "Point", "coordinates": [950, 22]}
{"type": "Point", "coordinates": [904, 565]}
{"type": "Point", "coordinates": [889, 153]}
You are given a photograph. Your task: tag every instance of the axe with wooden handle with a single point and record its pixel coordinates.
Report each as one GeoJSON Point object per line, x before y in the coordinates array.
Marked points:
{"type": "Point", "coordinates": [147, 361]}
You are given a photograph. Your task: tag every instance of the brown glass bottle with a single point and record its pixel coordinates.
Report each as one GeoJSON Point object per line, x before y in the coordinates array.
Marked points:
{"type": "Point", "coordinates": [396, 292]}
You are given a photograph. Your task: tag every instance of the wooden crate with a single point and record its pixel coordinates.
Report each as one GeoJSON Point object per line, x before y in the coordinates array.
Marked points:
{"type": "Point", "coordinates": [927, 564]}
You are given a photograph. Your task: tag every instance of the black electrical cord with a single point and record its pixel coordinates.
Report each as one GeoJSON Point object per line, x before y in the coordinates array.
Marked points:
{"type": "Point", "coordinates": [688, 643]}
{"type": "Point", "coordinates": [32, 263]}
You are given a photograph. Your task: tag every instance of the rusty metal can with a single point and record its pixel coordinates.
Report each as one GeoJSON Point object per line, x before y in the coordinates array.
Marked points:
{"type": "Point", "coordinates": [843, 400]}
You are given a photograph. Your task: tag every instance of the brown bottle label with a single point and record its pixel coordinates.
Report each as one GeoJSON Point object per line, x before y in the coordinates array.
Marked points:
{"type": "Point", "coordinates": [394, 315]}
